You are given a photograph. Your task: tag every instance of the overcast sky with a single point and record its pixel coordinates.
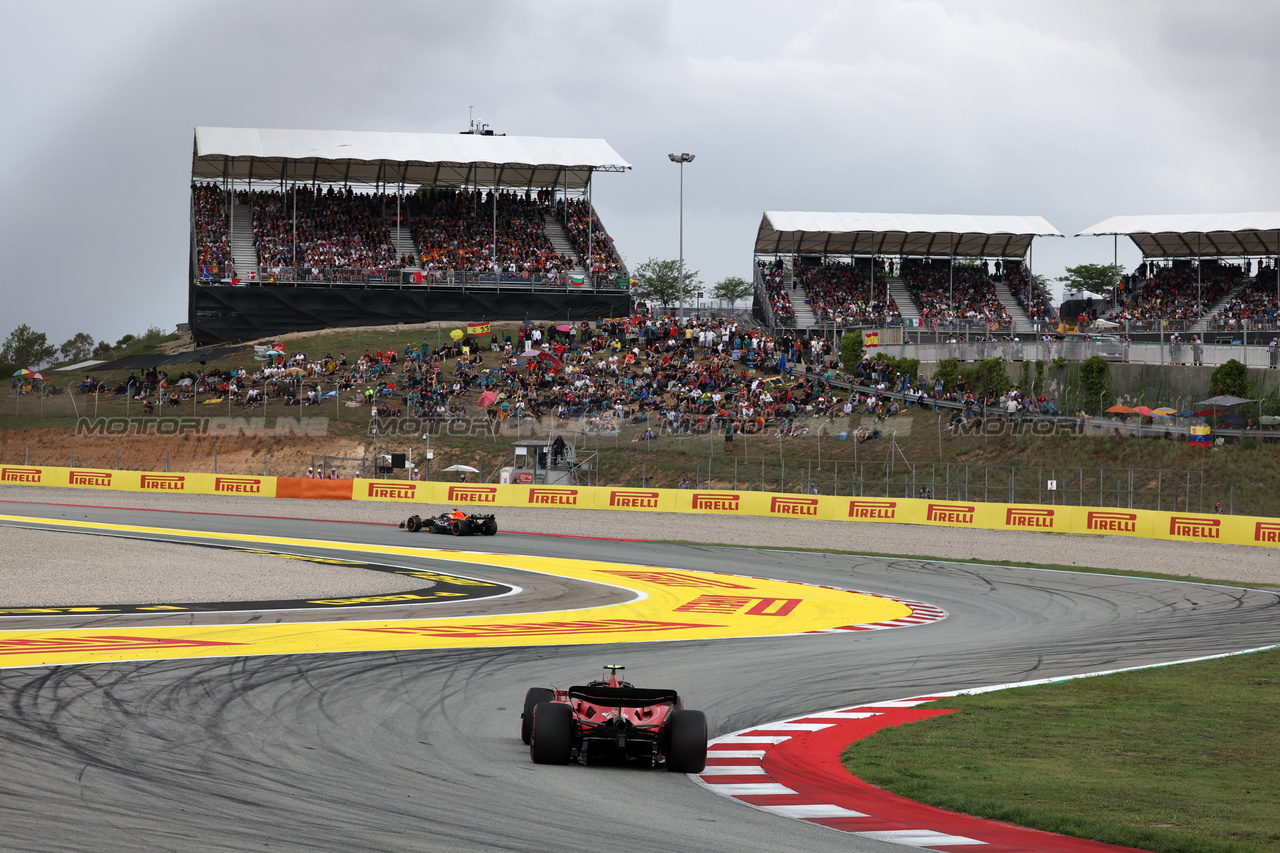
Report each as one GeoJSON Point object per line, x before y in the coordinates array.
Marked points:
{"type": "Point", "coordinates": [1074, 111]}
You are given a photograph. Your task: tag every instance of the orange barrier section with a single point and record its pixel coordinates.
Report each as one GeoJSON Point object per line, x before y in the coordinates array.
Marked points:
{"type": "Point", "coordinates": [1104, 521]}
{"type": "Point", "coordinates": [300, 487]}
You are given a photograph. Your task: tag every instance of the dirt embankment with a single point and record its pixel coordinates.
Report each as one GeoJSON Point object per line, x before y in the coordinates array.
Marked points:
{"type": "Point", "coordinates": [279, 455]}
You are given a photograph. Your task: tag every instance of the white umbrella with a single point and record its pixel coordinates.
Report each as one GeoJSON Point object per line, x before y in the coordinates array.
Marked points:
{"type": "Point", "coordinates": [467, 468]}
{"type": "Point", "coordinates": [186, 381]}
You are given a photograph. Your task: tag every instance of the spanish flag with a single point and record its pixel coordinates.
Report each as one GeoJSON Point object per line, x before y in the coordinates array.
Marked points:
{"type": "Point", "coordinates": [871, 339]}
{"type": "Point", "coordinates": [477, 328]}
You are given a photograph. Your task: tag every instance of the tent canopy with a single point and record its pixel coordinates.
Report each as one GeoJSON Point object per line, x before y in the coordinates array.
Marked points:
{"type": "Point", "coordinates": [1206, 235]}
{"type": "Point", "coordinates": [433, 159]}
{"type": "Point", "coordinates": [899, 234]}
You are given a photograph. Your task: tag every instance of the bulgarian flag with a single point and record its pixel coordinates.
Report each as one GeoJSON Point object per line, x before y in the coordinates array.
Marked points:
{"type": "Point", "coordinates": [577, 280]}
{"type": "Point", "coordinates": [477, 328]}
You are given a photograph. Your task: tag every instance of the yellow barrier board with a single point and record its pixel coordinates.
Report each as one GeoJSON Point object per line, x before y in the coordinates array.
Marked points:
{"type": "Point", "coordinates": [138, 481]}
{"type": "Point", "coordinates": [1101, 521]}
{"type": "Point", "coordinates": [669, 604]}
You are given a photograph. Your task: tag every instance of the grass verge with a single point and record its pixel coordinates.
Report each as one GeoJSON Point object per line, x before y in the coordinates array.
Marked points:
{"type": "Point", "coordinates": [1182, 759]}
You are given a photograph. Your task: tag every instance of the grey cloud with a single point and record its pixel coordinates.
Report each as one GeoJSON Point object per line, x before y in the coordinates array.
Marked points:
{"type": "Point", "coordinates": [1074, 111]}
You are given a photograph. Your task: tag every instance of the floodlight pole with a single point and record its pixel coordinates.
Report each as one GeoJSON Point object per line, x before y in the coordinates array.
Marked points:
{"type": "Point", "coordinates": [682, 159]}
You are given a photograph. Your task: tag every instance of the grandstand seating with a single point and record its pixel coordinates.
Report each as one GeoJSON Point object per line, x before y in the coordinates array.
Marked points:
{"type": "Point", "coordinates": [343, 235]}
{"type": "Point", "coordinates": [965, 296]}
{"type": "Point", "coordinates": [1169, 291]}
{"type": "Point", "coordinates": [577, 216]}
{"type": "Point", "coordinates": [1256, 302]}
{"type": "Point", "coordinates": [1036, 303]}
{"type": "Point", "coordinates": [209, 217]}
{"type": "Point", "coordinates": [841, 293]}
{"type": "Point", "coordinates": [772, 274]}
{"type": "Point", "coordinates": [335, 230]}
{"type": "Point", "coordinates": [454, 230]}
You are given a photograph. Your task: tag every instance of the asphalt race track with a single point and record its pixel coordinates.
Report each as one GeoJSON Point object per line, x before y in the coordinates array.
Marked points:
{"type": "Point", "coordinates": [420, 750]}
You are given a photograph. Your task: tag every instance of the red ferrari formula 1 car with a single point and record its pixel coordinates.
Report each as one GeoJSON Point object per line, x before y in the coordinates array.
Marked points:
{"type": "Point", "coordinates": [611, 718]}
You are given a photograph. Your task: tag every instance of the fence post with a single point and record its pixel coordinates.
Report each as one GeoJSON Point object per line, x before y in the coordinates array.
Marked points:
{"type": "Point", "coordinates": [1232, 506]}
{"type": "Point", "coordinates": [117, 459]}
{"type": "Point", "coordinates": [72, 458]}
{"type": "Point", "coordinates": [1159, 481]}
{"type": "Point", "coordinates": [166, 462]}
{"type": "Point", "coordinates": [215, 463]}
{"type": "Point", "coordinates": [26, 457]}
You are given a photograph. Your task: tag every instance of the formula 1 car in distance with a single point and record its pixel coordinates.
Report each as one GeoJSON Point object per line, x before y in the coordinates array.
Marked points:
{"type": "Point", "coordinates": [612, 718]}
{"type": "Point", "coordinates": [453, 522]}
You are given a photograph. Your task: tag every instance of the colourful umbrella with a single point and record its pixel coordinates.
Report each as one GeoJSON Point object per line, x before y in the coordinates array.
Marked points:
{"type": "Point", "coordinates": [1120, 410]}
{"type": "Point", "coordinates": [1165, 410]}
{"type": "Point", "coordinates": [1144, 411]}
{"type": "Point", "coordinates": [488, 398]}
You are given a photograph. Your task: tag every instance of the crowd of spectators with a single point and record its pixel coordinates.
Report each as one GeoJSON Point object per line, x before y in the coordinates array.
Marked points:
{"type": "Point", "coordinates": [337, 234]}
{"type": "Point", "coordinates": [592, 243]}
{"type": "Point", "coordinates": [775, 290]}
{"type": "Point", "coordinates": [964, 295]}
{"type": "Point", "coordinates": [844, 294]}
{"type": "Point", "coordinates": [1174, 290]}
{"type": "Point", "coordinates": [1255, 302]}
{"type": "Point", "coordinates": [1031, 297]}
{"type": "Point", "coordinates": [454, 230]}
{"type": "Point", "coordinates": [209, 218]}
{"type": "Point", "coordinates": [335, 229]}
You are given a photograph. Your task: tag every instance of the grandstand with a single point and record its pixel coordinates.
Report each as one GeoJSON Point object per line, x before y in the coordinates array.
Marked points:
{"type": "Point", "coordinates": [1199, 272]}
{"type": "Point", "coordinates": [842, 270]}
{"type": "Point", "coordinates": [295, 230]}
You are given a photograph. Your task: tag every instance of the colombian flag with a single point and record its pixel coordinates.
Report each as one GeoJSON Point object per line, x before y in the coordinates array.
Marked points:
{"type": "Point", "coordinates": [477, 328]}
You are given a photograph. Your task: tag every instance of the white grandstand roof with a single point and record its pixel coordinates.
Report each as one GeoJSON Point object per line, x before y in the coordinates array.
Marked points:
{"type": "Point", "coordinates": [899, 234]}
{"type": "Point", "coordinates": [443, 159]}
{"type": "Point", "coordinates": [1194, 235]}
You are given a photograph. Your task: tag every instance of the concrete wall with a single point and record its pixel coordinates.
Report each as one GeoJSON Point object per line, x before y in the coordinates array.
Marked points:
{"type": "Point", "coordinates": [1150, 385]}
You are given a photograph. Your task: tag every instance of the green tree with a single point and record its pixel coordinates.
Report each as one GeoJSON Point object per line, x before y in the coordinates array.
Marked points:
{"type": "Point", "coordinates": [733, 289]}
{"type": "Point", "coordinates": [1095, 384]}
{"type": "Point", "coordinates": [1232, 378]}
{"type": "Point", "coordinates": [850, 350]}
{"type": "Point", "coordinates": [1095, 278]}
{"type": "Point", "coordinates": [26, 348]}
{"type": "Point", "coordinates": [661, 282]}
{"type": "Point", "coordinates": [78, 347]}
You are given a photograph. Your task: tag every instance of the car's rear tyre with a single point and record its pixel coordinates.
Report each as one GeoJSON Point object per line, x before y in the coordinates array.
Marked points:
{"type": "Point", "coordinates": [414, 524]}
{"type": "Point", "coordinates": [551, 741]}
{"type": "Point", "coordinates": [532, 699]}
{"type": "Point", "coordinates": [490, 527]}
{"type": "Point", "coordinates": [455, 527]}
{"type": "Point", "coordinates": [688, 750]}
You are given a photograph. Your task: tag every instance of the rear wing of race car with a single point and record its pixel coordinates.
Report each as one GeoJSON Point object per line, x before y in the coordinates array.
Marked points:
{"type": "Point", "coordinates": [623, 697]}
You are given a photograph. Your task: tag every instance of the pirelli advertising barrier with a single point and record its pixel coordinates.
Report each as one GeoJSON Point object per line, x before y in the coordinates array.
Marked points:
{"type": "Point", "coordinates": [1150, 524]}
